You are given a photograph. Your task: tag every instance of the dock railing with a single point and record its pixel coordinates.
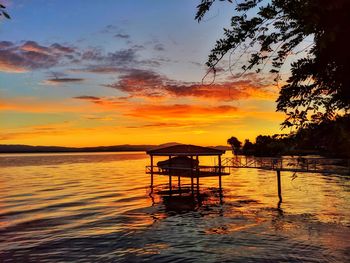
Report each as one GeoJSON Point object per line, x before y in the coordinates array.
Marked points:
{"type": "Point", "coordinates": [202, 169]}
{"type": "Point", "coordinates": [294, 164]}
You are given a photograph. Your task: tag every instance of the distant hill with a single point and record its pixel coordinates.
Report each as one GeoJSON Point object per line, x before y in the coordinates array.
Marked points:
{"type": "Point", "coordinates": [163, 145]}
{"type": "Point", "coordinates": [222, 147]}
{"type": "Point", "coordinates": [45, 149]}
{"type": "Point", "coordinates": [18, 148]}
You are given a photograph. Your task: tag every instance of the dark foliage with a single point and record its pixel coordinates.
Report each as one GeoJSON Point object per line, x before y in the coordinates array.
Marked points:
{"type": "Point", "coordinates": [235, 144]}
{"type": "Point", "coordinates": [330, 138]}
{"type": "Point", "coordinates": [3, 12]}
{"type": "Point", "coordinates": [248, 148]}
{"type": "Point", "coordinates": [318, 87]}
{"type": "Point", "coordinates": [265, 145]}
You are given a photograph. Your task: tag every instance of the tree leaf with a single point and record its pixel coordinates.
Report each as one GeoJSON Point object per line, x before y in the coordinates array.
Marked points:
{"type": "Point", "coordinates": [6, 15]}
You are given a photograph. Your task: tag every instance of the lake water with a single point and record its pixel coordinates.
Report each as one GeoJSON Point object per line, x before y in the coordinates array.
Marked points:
{"type": "Point", "coordinates": [98, 207]}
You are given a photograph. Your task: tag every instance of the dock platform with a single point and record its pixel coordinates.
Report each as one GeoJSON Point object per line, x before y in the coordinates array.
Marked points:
{"type": "Point", "coordinates": [202, 171]}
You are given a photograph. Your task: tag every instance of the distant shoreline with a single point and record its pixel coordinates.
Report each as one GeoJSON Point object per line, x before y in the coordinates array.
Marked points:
{"type": "Point", "coordinates": [59, 149]}
{"type": "Point", "coordinates": [44, 152]}
{"type": "Point", "coordinates": [10, 148]}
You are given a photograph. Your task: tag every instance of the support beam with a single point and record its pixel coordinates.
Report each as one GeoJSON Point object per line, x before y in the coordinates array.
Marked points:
{"type": "Point", "coordinates": [191, 174]}
{"type": "Point", "coordinates": [197, 171]}
{"type": "Point", "coordinates": [279, 185]}
{"type": "Point", "coordinates": [220, 184]}
{"type": "Point", "coordinates": [151, 170]}
{"type": "Point", "coordinates": [170, 183]}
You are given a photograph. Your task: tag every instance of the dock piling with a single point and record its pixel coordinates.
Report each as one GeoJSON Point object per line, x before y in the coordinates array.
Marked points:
{"type": "Point", "coordinates": [279, 185]}
{"type": "Point", "coordinates": [220, 184]}
{"type": "Point", "coordinates": [151, 170]}
{"type": "Point", "coordinates": [197, 170]}
{"type": "Point", "coordinates": [191, 173]}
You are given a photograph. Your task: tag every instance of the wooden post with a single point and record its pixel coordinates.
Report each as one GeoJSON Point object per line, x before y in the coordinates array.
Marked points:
{"type": "Point", "coordinates": [179, 182]}
{"type": "Point", "coordinates": [170, 184]}
{"type": "Point", "coordinates": [191, 173]}
{"type": "Point", "coordinates": [197, 170]}
{"type": "Point", "coordinates": [220, 186]}
{"type": "Point", "coordinates": [279, 185]}
{"type": "Point", "coordinates": [151, 170]}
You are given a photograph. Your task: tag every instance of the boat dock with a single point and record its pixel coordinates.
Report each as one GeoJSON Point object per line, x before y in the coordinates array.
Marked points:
{"type": "Point", "coordinates": [183, 161]}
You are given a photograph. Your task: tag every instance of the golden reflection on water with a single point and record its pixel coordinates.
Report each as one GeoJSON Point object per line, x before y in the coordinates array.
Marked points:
{"type": "Point", "coordinates": [48, 198]}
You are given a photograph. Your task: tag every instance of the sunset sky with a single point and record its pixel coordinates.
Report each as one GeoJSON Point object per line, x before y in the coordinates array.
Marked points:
{"type": "Point", "coordinates": [88, 73]}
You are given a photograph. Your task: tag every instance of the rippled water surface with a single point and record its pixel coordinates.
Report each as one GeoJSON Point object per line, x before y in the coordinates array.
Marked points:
{"type": "Point", "coordinates": [98, 207]}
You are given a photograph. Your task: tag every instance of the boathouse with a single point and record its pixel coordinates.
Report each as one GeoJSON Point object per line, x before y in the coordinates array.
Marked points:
{"type": "Point", "coordinates": [183, 160]}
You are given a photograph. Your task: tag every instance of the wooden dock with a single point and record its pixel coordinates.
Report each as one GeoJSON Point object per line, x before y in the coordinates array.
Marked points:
{"type": "Point", "coordinates": [183, 161]}
{"type": "Point", "coordinates": [291, 164]}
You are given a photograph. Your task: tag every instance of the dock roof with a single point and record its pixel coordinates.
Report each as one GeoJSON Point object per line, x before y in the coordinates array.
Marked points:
{"type": "Point", "coordinates": [185, 150]}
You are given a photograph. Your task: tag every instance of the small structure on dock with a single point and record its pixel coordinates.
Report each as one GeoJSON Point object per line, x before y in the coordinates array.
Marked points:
{"type": "Point", "coordinates": [183, 161]}
{"type": "Point", "coordinates": [179, 164]}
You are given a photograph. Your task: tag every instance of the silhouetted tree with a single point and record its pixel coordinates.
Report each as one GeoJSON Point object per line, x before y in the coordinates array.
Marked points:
{"type": "Point", "coordinates": [235, 144]}
{"type": "Point", "coordinates": [331, 138]}
{"type": "Point", "coordinates": [248, 148]}
{"type": "Point", "coordinates": [275, 145]}
{"type": "Point", "coordinates": [3, 12]}
{"type": "Point", "coordinates": [319, 85]}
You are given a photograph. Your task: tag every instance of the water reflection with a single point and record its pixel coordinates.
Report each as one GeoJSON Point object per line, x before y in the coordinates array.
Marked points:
{"type": "Point", "coordinates": [105, 211]}
{"type": "Point", "coordinates": [180, 203]}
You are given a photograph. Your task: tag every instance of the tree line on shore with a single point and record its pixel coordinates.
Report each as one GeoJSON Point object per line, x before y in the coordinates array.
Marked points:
{"type": "Point", "coordinates": [330, 138]}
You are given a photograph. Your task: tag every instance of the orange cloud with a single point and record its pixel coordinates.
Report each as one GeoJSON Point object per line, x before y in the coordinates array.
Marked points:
{"type": "Point", "coordinates": [158, 125]}
{"type": "Point", "coordinates": [38, 130]}
{"type": "Point", "coordinates": [177, 111]}
{"type": "Point", "coordinates": [168, 111]}
{"type": "Point", "coordinates": [34, 105]}
{"type": "Point", "coordinates": [149, 84]}
{"type": "Point", "coordinates": [35, 47]}
{"type": "Point", "coordinates": [9, 67]}
{"type": "Point", "coordinates": [111, 103]}
{"type": "Point", "coordinates": [110, 120]}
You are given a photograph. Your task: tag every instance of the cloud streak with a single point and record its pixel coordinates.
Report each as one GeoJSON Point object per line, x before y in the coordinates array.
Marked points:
{"type": "Point", "coordinates": [123, 36]}
{"type": "Point", "coordinates": [58, 81]}
{"type": "Point", "coordinates": [160, 112]}
{"type": "Point", "coordinates": [149, 84]}
{"type": "Point", "coordinates": [175, 111]}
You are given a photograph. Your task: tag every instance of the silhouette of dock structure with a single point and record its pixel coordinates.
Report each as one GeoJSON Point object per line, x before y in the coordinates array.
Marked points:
{"type": "Point", "coordinates": [290, 164]}
{"type": "Point", "coordinates": [183, 161]}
